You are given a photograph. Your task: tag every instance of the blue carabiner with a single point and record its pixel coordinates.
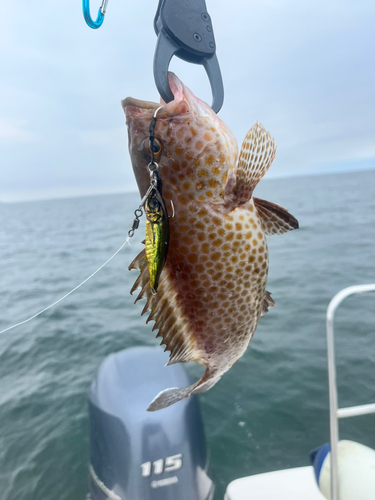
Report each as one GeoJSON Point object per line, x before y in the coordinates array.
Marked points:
{"type": "Point", "coordinates": [86, 14]}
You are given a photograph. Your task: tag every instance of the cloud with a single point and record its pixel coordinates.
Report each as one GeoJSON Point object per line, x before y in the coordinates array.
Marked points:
{"type": "Point", "coordinates": [304, 70]}
{"type": "Point", "coordinates": [17, 133]}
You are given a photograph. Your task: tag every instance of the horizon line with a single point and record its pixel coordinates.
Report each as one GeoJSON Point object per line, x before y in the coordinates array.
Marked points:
{"type": "Point", "coordinates": [125, 191]}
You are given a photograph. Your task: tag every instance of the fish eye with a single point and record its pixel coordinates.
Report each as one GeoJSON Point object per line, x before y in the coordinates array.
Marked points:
{"type": "Point", "coordinates": [153, 204]}
{"type": "Point", "coordinates": [146, 146]}
{"type": "Point", "coordinates": [157, 146]}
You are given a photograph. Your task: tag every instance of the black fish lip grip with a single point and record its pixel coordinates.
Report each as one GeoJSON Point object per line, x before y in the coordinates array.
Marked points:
{"type": "Point", "coordinates": [184, 29]}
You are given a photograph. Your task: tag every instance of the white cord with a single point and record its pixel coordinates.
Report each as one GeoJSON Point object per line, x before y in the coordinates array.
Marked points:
{"type": "Point", "coordinates": [71, 291]}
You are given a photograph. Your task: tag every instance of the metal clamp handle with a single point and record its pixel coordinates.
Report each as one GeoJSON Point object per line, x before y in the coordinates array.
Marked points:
{"type": "Point", "coordinates": [185, 29]}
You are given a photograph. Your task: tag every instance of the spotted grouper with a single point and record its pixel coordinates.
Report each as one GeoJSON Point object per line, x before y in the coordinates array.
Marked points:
{"type": "Point", "coordinates": [212, 289]}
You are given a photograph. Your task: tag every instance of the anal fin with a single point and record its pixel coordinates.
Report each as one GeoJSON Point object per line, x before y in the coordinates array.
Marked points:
{"type": "Point", "coordinates": [274, 218]}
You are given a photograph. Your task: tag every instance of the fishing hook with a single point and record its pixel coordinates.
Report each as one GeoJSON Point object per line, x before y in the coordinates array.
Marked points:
{"type": "Point", "coordinates": [86, 14]}
{"type": "Point", "coordinates": [171, 216]}
{"type": "Point", "coordinates": [151, 131]}
{"type": "Point", "coordinates": [152, 167]}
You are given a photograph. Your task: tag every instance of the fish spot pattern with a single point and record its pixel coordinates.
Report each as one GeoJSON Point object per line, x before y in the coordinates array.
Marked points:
{"type": "Point", "coordinates": [221, 274]}
{"type": "Point", "coordinates": [212, 288]}
{"type": "Point", "coordinates": [201, 171]}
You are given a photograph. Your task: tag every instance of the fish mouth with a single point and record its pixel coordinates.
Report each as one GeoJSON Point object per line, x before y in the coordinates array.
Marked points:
{"type": "Point", "coordinates": [182, 93]}
{"type": "Point", "coordinates": [184, 102]}
{"type": "Point", "coordinates": [136, 105]}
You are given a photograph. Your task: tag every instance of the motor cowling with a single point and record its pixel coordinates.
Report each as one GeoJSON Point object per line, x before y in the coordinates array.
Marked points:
{"type": "Point", "coordinates": [140, 455]}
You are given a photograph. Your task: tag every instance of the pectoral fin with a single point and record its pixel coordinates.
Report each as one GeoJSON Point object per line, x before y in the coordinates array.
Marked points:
{"type": "Point", "coordinates": [257, 153]}
{"type": "Point", "coordinates": [274, 218]}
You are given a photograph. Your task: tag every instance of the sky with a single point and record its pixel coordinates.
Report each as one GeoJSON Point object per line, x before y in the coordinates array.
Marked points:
{"type": "Point", "coordinates": [305, 70]}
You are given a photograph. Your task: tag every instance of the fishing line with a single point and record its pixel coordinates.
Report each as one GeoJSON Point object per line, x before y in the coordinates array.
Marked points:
{"type": "Point", "coordinates": [138, 213]}
{"type": "Point", "coordinates": [69, 293]}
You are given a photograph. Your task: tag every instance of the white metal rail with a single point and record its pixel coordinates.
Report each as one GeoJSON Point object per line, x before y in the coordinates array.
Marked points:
{"type": "Point", "coordinates": [334, 411]}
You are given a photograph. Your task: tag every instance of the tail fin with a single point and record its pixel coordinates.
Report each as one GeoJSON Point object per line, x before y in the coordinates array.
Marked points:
{"type": "Point", "coordinates": [170, 396]}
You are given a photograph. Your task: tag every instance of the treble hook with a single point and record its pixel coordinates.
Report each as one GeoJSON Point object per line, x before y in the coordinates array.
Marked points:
{"type": "Point", "coordinates": [86, 14]}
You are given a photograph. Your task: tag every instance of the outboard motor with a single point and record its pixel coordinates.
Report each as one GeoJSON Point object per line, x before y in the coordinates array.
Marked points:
{"type": "Point", "coordinates": [140, 455]}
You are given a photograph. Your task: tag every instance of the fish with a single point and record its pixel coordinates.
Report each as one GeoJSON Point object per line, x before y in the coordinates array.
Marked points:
{"type": "Point", "coordinates": [212, 288]}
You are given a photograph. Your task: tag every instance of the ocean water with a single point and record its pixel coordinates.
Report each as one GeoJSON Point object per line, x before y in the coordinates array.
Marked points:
{"type": "Point", "coordinates": [266, 413]}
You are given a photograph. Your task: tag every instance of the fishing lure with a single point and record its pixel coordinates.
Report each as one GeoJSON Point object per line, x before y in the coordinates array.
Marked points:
{"type": "Point", "coordinates": [157, 224]}
{"type": "Point", "coordinates": [157, 231]}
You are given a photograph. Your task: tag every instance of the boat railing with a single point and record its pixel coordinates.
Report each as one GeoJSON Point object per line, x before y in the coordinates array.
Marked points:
{"type": "Point", "coordinates": [335, 412]}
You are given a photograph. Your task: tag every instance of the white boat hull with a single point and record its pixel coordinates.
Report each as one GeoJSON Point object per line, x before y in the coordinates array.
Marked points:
{"type": "Point", "coordinates": [289, 484]}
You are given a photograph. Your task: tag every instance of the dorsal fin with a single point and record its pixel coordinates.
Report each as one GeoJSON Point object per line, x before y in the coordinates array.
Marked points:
{"type": "Point", "coordinates": [167, 313]}
{"type": "Point", "coordinates": [274, 218]}
{"type": "Point", "coordinates": [257, 153]}
{"type": "Point", "coordinates": [267, 303]}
